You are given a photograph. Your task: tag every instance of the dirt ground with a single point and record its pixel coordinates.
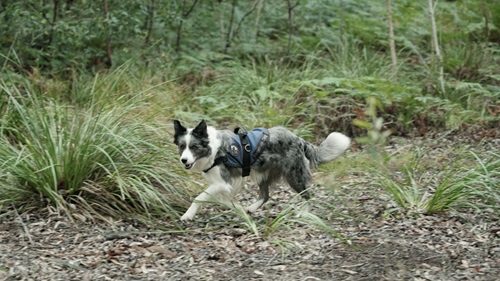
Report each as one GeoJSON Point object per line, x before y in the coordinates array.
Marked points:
{"type": "Point", "coordinates": [454, 245]}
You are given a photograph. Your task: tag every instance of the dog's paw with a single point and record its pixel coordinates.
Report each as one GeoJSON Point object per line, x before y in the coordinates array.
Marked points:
{"type": "Point", "coordinates": [187, 216]}
{"type": "Point", "coordinates": [254, 207]}
{"type": "Point", "coordinates": [250, 210]}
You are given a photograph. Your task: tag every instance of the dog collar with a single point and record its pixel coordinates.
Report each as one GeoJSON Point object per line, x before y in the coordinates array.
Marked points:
{"type": "Point", "coordinates": [217, 162]}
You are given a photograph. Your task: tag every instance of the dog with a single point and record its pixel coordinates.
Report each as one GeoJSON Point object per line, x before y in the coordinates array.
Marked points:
{"type": "Point", "coordinates": [279, 156]}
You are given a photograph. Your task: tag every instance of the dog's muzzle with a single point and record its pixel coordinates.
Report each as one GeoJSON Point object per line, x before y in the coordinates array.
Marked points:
{"type": "Point", "coordinates": [186, 166]}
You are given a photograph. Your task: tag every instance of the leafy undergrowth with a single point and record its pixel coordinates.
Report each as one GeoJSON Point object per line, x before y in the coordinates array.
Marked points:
{"type": "Point", "coordinates": [106, 150]}
{"type": "Point", "coordinates": [317, 96]}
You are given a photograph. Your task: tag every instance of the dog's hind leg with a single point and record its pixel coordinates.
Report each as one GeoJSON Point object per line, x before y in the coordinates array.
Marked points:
{"type": "Point", "coordinates": [214, 192]}
{"type": "Point", "coordinates": [299, 178]}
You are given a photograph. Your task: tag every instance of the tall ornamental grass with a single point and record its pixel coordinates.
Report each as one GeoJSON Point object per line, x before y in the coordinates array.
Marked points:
{"type": "Point", "coordinates": [416, 188]}
{"type": "Point", "coordinates": [103, 160]}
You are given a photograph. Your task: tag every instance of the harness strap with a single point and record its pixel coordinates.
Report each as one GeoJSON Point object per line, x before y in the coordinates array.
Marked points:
{"type": "Point", "coordinates": [217, 161]}
{"type": "Point", "coordinates": [245, 170]}
{"type": "Point", "coordinates": [242, 133]}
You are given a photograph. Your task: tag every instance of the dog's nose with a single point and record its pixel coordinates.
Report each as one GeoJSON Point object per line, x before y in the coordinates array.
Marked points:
{"type": "Point", "coordinates": [184, 160]}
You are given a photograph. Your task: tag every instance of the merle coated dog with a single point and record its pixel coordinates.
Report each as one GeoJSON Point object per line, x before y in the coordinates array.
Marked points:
{"type": "Point", "coordinates": [277, 155]}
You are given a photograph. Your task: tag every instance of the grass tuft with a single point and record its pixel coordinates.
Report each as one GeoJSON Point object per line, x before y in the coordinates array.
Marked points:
{"type": "Point", "coordinates": [104, 159]}
{"type": "Point", "coordinates": [420, 187]}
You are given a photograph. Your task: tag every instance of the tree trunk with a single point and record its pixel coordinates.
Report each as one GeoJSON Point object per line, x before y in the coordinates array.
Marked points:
{"type": "Point", "coordinates": [230, 28]}
{"type": "Point", "coordinates": [235, 33]}
{"type": "Point", "coordinates": [109, 62]}
{"type": "Point", "coordinates": [148, 24]}
{"type": "Point", "coordinates": [435, 42]}
{"type": "Point", "coordinates": [260, 7]}
{"type": "Point", "coordinates": [290, 24]}
{"type": "Point", "coordinates": [54, 20]}
{"type": "Point", "coordinates": [392, 43]}
{"type": "Point", "coordinates": [184, 15]}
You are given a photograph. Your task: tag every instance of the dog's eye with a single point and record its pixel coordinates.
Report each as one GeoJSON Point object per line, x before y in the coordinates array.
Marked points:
{"type": "Point", "coordinates": [193, 146]}
{"type": "Point", "coordinates": [182, 146]}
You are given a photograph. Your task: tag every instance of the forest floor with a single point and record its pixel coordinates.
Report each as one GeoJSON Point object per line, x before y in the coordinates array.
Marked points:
{"type": "Point", "coordinates": [462, 244]}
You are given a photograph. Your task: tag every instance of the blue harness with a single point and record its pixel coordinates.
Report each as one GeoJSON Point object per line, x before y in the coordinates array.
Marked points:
{"type": "Point", "coordinates": [244, 150]}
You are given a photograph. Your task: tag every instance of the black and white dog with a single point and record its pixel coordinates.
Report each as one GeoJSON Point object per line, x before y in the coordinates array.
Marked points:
{"type": "Point", "coordinates": [267, 156]}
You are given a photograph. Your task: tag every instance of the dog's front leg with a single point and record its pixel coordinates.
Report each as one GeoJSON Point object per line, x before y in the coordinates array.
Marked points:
{"type": "Point", "coordinates": [263, 198]}
{"type": "Point", "coordinates": [212, 193]}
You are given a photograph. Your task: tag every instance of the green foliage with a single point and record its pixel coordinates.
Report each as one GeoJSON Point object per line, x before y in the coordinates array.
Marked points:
{"type": "Point", "coordinates": [416, 190]}
{"type": "Point", "coordinates": [226, 53]}
{"type": "Point", "coordinates": [60, 36]}
{"type": "Point", "coordinates": [376, 136]}
{"type": "Point", "coordinates": [94, 157]}
{"type": "Point", "coordinates": [486, 176]}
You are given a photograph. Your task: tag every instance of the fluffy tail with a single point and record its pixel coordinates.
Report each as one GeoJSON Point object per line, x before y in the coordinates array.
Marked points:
{"type": "Point", "coordinates": [332, 147]}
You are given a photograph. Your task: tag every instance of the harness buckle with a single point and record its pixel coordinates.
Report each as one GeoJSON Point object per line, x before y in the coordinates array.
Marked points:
{"type": "Point", "coordinates": [247, 147]}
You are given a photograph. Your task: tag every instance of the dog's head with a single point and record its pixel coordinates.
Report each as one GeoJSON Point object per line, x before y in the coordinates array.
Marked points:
{"type": "Point", "coordinates": [193, 144]}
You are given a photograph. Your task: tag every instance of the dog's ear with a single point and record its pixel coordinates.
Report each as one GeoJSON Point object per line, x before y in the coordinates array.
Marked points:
{"type": "Point", "coordinates": [179, 130]}
{"type": "Point", "coordinates": [201, 130]}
